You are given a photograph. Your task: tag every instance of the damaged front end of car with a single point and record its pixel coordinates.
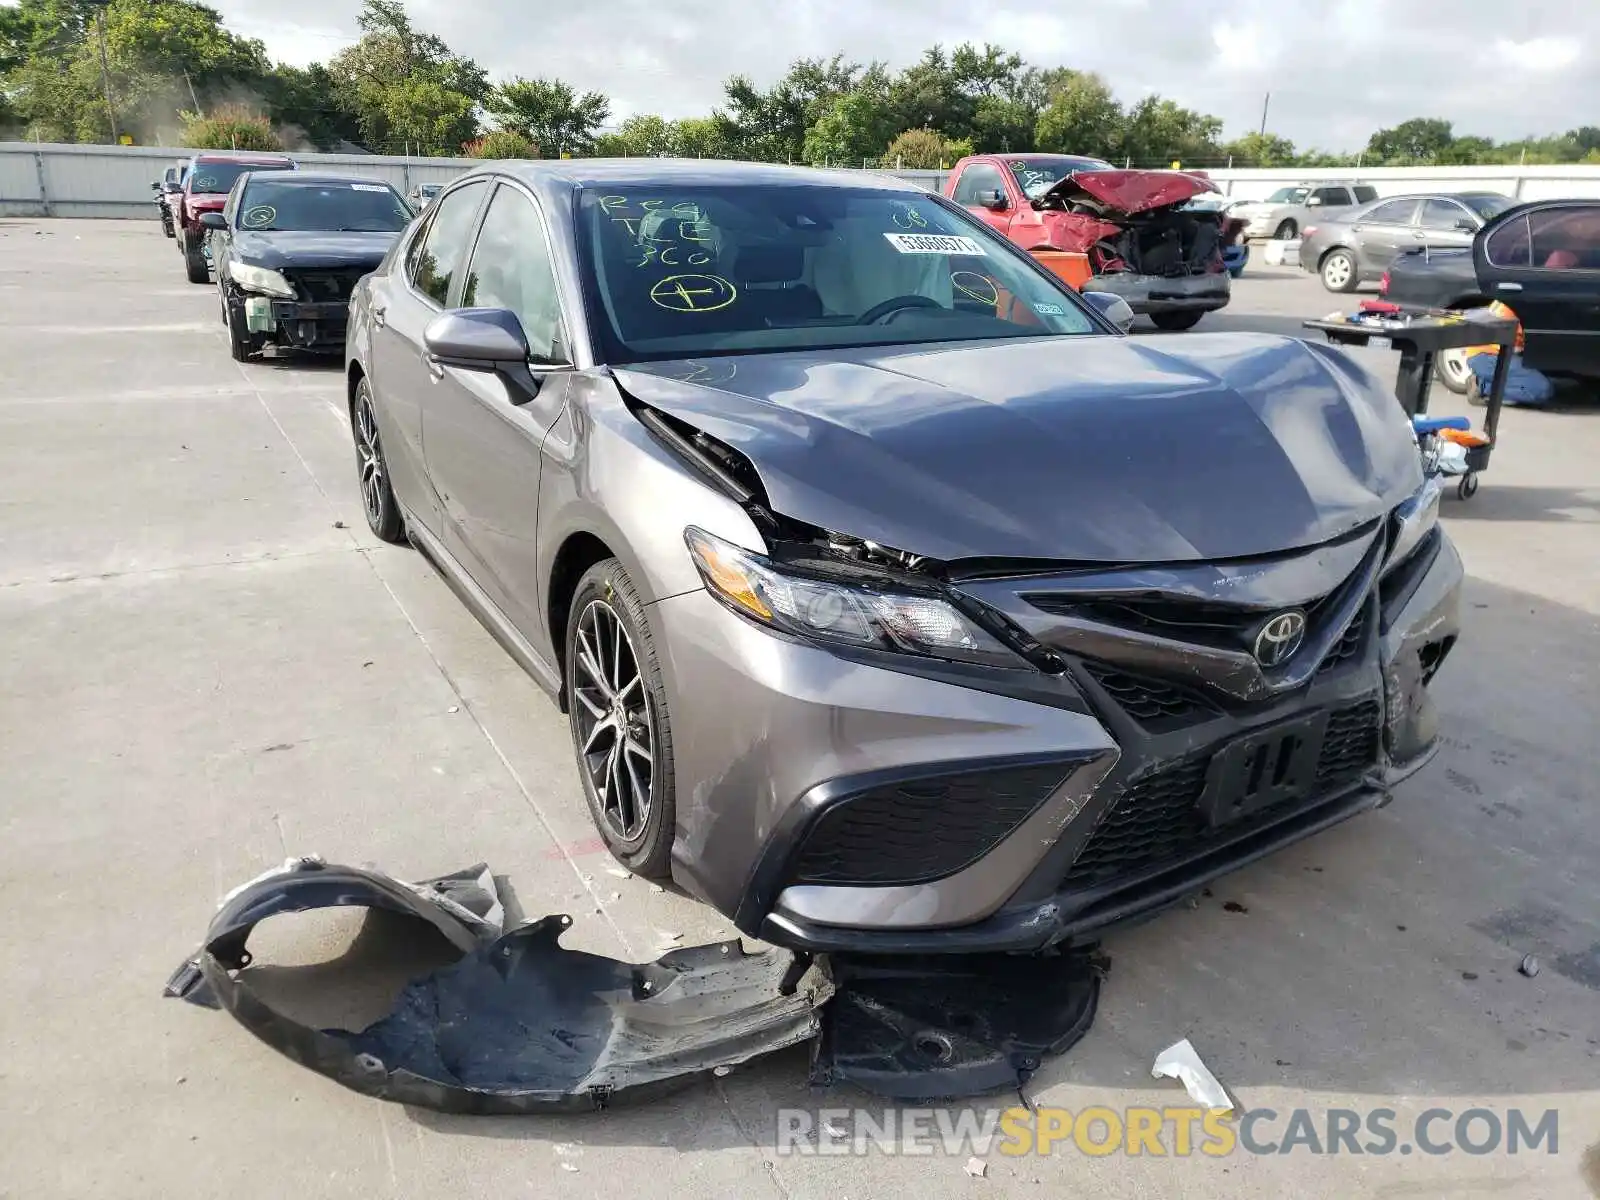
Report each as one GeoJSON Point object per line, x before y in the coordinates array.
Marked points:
{"type": "Point", "coordinates": [1143, 239]}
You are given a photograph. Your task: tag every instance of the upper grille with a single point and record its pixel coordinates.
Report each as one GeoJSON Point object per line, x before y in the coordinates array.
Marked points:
{"type": "Point", "coordinates": [1158, 706]}
{"type": "Point", "coordinates": [1158, 817]}
{"type": "Point", "coordinates": [318, 287]}
{"type": "Point", "coordinates": [921, 829]}
{"type": "Point", "coordinates": [1349, 645]}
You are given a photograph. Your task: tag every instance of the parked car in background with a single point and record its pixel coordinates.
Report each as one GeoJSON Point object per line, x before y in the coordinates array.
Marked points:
{"type": "Point", "coordinates": [895, 601]}
{"type": "Point", "coordinates": [1289, 210]}
{"type": "Point", "coordinates": [1542, 260]}
{"type": "Point", "coordinates": [289, 249]}
{"type": "Point", "coordinates": [422, 194]}
{"type": "Point", "coordinates": [1354, 247]}
{"type": "Point", "coordinates": [210, 177]}
{"type": "Point", "coordinates": [1140, 240]}
{"type": "Point", "coordinates": [169, 184]}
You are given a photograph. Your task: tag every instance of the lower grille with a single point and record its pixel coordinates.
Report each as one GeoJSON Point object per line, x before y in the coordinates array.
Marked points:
{"type": "Point", "coordinates": [1158, 817]}
{"type": "Point", "coordinates": [1159, 707]}
{"type": "Point", "coordinates": [921, 829]}
{"type": "Point", "coordinates": [319, 287]}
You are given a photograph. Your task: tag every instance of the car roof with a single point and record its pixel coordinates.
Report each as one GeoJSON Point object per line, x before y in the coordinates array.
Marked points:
{"type": "Point", "coordinates": [239, 156]}
{"type": "Point", "coordinates": [570, 173]}
{"type": "Point", "coordinates": [307, 178]}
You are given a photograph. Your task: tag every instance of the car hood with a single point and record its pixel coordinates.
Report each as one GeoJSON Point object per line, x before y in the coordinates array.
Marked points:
{"type": "Point", "coordinates": [1095, 449]}
{"type": "Point", "coordinates": [1130, 192]}
{"type": "Point", "coordinates": [312, 249]}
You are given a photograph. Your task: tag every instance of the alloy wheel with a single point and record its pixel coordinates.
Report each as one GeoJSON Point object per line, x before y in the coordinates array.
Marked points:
{"type": "Point", "coordinates": [616, 738]}
{"type": "Point", "coordinates": [371, 456]}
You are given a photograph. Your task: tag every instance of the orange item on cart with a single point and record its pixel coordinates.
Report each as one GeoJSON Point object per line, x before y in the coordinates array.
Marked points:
{"type": "Point", "coordinates": [1069, 267]}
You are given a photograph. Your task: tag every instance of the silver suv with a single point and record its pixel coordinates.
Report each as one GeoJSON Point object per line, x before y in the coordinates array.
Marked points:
{"type": "Point", "coordinates": [1288, 210]}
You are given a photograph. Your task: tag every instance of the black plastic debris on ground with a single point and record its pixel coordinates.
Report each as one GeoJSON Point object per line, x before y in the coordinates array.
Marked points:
{"type": "Point", "coordinates": [521, 1024]}
{"type": "Point", "coordinates": [951, 1026]}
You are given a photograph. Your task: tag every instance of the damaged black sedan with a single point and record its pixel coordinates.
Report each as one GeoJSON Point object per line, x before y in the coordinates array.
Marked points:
{"type": "Point", "coordinates": [289, 248]}
{"type": "Point", "coordinates": [896, 601]}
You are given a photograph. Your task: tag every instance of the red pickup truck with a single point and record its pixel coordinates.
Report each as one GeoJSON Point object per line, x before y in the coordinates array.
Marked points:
{"type": "Point", "coordinates": [1140, 238]}
{"type": "Point", "coordinates": [210, 177]}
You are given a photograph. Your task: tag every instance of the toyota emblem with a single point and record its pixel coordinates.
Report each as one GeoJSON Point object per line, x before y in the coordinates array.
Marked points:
{"type": "Point", "coordinates": [1280, 638]}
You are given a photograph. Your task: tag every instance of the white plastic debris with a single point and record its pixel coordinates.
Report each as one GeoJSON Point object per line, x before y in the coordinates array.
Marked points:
{"type": "Point", "coordinates": [656, 887]}
{"type": "Point", "coordinates": [566, 1166]}
{"type": "Point", "coordinates": [1181, 1061]}
{"type": "Point", "coordinates": [977, 1168]}
{"type": "Point", "coordinates": [619, 872]}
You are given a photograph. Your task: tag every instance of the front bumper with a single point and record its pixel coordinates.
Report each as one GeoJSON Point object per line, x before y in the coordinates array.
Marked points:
{"type": "Point", "coordinates": [311, 326]}
{"type": "Point", "coordinates": [1147, 294]}
{"type": "Point", "coordinates": [1261, 227]}
{"type": "Point", "coordinates": [839, 805]}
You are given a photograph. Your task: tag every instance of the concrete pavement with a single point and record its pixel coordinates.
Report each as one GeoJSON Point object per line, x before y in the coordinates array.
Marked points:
{"type": "Point", "coordinates": [208, 665]}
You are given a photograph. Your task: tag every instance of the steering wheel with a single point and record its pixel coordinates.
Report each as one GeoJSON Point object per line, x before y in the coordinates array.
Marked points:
{"type": "Point", "coordinates": [895, 304]}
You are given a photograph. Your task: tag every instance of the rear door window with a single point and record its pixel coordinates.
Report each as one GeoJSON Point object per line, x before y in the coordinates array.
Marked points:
{"type": "Point", "coordinates": [1395, 212]}
{"type": "Point", "coordinates": [1331, 196]}
{"type": "Point", "coordinates": [1365, 193]}
{"type": "Point", "coordinates": [1442, 214]}
{"type": "Point", "coordinates": [1565, 239]}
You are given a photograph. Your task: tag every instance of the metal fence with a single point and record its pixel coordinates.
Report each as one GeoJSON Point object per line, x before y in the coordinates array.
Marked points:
{"type": "Point", "coordinates": [48, 180]}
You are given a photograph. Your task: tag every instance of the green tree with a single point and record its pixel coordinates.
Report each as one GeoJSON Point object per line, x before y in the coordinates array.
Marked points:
{"type": "Point", "coordinates": [230, 127]}
{"type": "Point", "coordinates": [925, 150]}
{"type": "Point", "coordinates": [643, 135]}
{"type": "Point", "coordinates": [1157, 131]}
{"type": "Point", "coordinates": [407, 89]}
{"type": "Point", "coordinates": [699, 137]}
{"type": "Point", "coordinates": [772, 125]}
{"type": "Point", "coordinates": [501, 143]}
{"type": "Point", "coordinates": [304, 102]}
{"type": "Point", "coordinates": [1082, 117]}
{"type": "Point", "coordinates": [1419, 140]}
{"type": "Point", "coordinates": [855, 125]}
{"type": "Point", "coordinates": [550, 113]}
{"type": "Point", "coordinates": [1260, 150]}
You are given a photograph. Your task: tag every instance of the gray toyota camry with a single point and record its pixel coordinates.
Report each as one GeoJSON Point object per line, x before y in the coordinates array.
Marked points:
{"type": "Point", "coordinates": [895, 599]}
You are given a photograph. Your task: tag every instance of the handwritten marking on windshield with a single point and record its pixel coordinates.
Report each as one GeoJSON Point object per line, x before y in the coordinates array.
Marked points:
{"type": "Point", "coordinates": [979, 287]}
{"type": "Point", "coordinates": [907, 217]}
{"type": "Point", "coordinates": [259, 217]}
{"type": "Point", "coordinates": [693, 293]}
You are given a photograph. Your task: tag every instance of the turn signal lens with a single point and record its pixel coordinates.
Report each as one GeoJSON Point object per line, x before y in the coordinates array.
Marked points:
{"type": "Point", "coordinates": [724, 574]}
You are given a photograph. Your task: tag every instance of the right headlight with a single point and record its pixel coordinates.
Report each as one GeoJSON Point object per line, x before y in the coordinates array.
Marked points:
{"type": "Point", "coordinates": [263, 280]}
{"type": "Point", "coordinates": [865, 615]}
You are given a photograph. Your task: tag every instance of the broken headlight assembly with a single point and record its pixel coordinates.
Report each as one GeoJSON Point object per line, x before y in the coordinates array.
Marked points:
{"type": "Point", "coordinates": [865, 615]}
{"type": "Point", "coordinates": [262, 280]}
{"type": "Point", "coordinates": [1411, 523]}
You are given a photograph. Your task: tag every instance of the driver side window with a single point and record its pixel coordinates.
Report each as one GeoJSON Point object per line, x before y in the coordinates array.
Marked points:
{"type": "Point", "coordinates": [511, 269]}
{"type": "Point", "coordinates": [434, 256]}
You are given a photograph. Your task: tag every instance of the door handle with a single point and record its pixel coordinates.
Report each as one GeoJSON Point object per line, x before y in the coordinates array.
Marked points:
{"type": "Point", "coordinates": [379, 316]}
{"type": "Point", "coordinates": [1509, 287]}
{"type": "Point", "coordinates": [435, 367]}
{"type": "Point", "coordinates": [1419, 235]}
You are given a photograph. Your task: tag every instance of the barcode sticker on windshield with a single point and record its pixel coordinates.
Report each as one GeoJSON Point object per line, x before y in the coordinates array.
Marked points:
{"type": "Point", "coordinates": [934, 243]}
{"type": "Point", "coordinates": [368, 187]}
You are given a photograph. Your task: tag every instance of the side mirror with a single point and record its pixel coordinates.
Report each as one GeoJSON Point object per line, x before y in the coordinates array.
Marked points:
{"type": "Point", "coordinates": [213, 220]}
{"type": "Point", "coordinates": [476, 339]}
{"type": "Point", "coordinates": [994, 201]}
{"type": "Point", "coordinates": [1314, 202]}
{"type": "Point", "coordinates": [172, 189]}
{"type": "Point", "coordinates": [1113, 308]}
{"type": "Point", "coordinates": [1466, 226]}
{"type": "Point", "coordinates": [156, 186]}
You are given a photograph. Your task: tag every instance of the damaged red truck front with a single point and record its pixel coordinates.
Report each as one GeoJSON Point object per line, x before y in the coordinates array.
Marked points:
{"type": "Point", "coordinates": [1135, 229]}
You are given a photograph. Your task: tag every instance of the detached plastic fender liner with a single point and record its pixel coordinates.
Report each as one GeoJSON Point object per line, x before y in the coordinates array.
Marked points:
{"type": "Point", "coordinates": [520, 1024]}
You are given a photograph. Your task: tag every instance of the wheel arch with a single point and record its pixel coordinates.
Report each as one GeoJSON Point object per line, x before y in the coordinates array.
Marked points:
{"type": "Point", "coordinates": [579, 551]}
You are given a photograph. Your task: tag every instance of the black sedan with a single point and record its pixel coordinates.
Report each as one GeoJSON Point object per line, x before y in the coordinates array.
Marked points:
{"type": "Point", "coordinates": [895, 599]}
{"type": "Point", "coordinates": [1354, 246]}
{"type": "Point", "coordinates": [289, 249]}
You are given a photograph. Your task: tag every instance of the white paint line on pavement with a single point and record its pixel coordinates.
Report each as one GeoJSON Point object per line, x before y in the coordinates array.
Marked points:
{"type": "Point", "coordinates": [90, 327]}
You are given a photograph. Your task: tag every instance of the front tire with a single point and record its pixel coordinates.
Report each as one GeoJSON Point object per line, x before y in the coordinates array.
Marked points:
{"type": "Point", "coordinates": [243, 345]}
{"type": "Point", "coordinates": [1176, 322]}
{"type": "Point", "coordinates": [377, 496]}
{"type": "Point", "coordinates": [1339, 272]}
{"type": "Point", "coordinates": [617, 712]}
{"type": "Point", "coordinates": [1285, 232]}
{"type": "Point", "coordinates": [194, 262]}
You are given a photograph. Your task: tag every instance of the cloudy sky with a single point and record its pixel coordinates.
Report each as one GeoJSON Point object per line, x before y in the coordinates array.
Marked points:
{"type": "Point", "coordinates": [1336, 69]}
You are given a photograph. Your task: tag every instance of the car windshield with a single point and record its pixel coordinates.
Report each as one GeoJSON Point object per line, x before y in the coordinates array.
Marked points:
{"type": "Point", "coordinates": [1036, 176]}
{"type": "Point", "coordinates": [1487, 205]}
{"type": "Point", "coordinates": [216, 178]}
{"type": "Point", "coordinates": [677, 272]}
{"type": "Point", "coordinates": [272, 204]}
{"type": "Point", "coordinates": [1289, 195]}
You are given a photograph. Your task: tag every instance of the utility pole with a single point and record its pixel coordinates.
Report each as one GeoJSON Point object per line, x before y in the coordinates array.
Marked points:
{"type": "Point", "coordinates": [105, 70]}
{"type": "Point", "coordinates": [198, 111]}
{"type": "Point", "coordinates": [1264, 105]}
